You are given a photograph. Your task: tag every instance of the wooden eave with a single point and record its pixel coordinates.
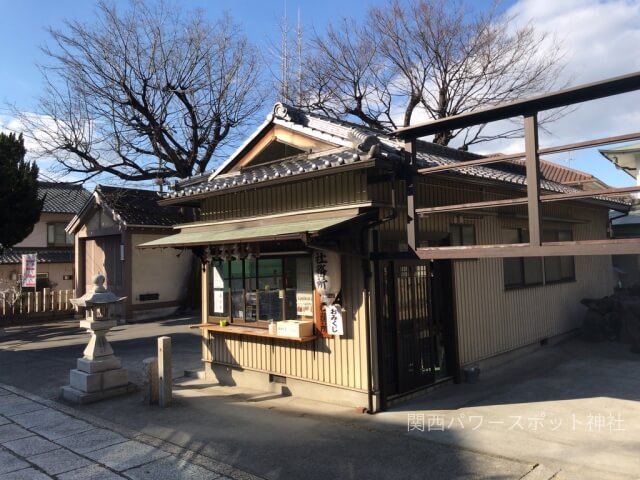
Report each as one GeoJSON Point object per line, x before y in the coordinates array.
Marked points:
{"type": "Point", "coordinates": [550, 197]}
{"type": "Point", "coordinates": [277, 133]}
{"type": "Point", "coordinates": [622, 246]}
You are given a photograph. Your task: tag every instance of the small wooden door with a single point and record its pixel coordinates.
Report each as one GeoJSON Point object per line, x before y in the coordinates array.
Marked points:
{"type": "Point", "coordinates": [102, 255]}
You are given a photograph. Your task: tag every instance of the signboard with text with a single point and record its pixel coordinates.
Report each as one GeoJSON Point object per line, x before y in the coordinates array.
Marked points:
{"type": "Point", "coordinates": [334, 320]}
{"type": "Point", "coordinates": [29, 268]}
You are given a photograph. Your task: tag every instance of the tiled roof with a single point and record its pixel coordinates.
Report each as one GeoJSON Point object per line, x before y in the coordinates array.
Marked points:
{"type": "Point", "coordinates": [560, 174]}
{"type": "Point", "coordinates": [431, 155]}
{"type": "Point", "coordinates": [62, 197]}
{"type": "Point", "coordinates": [287, 168]}
{"type": "Point", "coordinates": [354, 140]}
{"type": "Point", "coordinates": [44, 256]}
{"type": "Point", "coordinates": [138, 207]}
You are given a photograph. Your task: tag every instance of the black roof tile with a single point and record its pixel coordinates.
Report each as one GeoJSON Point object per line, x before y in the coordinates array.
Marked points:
{"type": "Point", "coordinates": [62, 197]}
{"type": "Point", "coordinates": [44, 256]}
{"type": "Point", "coordinates": [139, 207]}
{"type": "Point", "coordinates": [428, 154]}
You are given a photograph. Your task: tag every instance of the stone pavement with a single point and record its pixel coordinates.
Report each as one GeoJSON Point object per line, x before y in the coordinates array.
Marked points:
{"type": "Point", "coordinates": [41, 439]}
{"type": "Point", "coordinates": [213, 426]}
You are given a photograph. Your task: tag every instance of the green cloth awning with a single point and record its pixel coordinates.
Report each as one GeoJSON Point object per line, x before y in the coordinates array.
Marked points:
{"type": "Point", "coordinates": [244, 232]}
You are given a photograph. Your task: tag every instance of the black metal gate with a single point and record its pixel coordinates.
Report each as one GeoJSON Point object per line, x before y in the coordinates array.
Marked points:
{"type": "Point", "coordinates": [416, 338]}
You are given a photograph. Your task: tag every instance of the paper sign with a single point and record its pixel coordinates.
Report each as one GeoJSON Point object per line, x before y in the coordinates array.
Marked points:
{"type": "Point", "coordinates": [218, 301]}
{"type": "Point", "coordinates": [304, 304]}
{"type": "Point", "coordinates": [217, 278]}
{"type": "Point", "coordinates": [334, 320]}
{"type": "Point", "coordinates": [29, 262]}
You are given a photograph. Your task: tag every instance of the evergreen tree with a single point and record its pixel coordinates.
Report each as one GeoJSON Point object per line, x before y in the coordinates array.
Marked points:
{"type": "Point", "coordinates": [19, 204]}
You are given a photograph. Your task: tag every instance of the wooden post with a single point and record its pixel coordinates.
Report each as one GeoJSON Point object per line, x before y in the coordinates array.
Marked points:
{"type": "Point", "coordinates": [45, 299]}
{"type": "Point", "coordinates": [164, 371]}
{"type": "Point", "coordinates": [533, 179]}
{"type": "Point", "coordinates": [28, 303]}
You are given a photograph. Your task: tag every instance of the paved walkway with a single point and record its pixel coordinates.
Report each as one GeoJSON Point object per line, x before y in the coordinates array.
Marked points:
{"type": "Point", "coordinates": [40, 439]}
{"type": "Point", "coordinates": [577, 386]}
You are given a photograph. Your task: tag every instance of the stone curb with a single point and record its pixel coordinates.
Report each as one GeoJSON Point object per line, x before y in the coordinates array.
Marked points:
{"type": "Point", "coordinates": [180, 452]}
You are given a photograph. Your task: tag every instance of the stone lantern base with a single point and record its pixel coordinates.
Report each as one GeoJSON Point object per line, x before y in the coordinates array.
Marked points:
{"type": "Point", "coordinates": [99, 374]}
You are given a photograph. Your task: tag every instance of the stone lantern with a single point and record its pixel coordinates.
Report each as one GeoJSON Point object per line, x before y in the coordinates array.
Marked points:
{"type": "Point", "coordinates": [99, 373]}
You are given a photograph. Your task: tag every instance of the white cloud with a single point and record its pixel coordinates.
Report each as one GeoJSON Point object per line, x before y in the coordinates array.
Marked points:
{"type": "Point", "coordinates": [599, 40]}
{"type": "Point", "coordinates": [11, 124]}
{"type": "Point", "coordinates": [49, 167]}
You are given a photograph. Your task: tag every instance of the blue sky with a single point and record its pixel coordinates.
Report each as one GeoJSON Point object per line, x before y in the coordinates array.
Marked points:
{"type": "Point", "coordinates": [599, 38]}
{"type": "Point", "coordinates": [24, 22]}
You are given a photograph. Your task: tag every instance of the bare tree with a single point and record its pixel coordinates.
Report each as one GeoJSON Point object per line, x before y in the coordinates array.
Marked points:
{"type": "Point", "coordinates": [429, 57]}
{"type": "Point", "coordinates": [145, 93]}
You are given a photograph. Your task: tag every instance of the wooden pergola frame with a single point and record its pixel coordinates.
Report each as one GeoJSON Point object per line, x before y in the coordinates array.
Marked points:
{"type": "Point", "coordinates": [529, 109]}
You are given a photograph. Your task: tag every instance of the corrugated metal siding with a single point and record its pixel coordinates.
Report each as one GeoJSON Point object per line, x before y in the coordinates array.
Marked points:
{"type": "Point", "coordinates": [320, 192]}
{"type": "Point", "coordinates": [339, 361]}
{"type": "Point", "coordinates": [490, 319]}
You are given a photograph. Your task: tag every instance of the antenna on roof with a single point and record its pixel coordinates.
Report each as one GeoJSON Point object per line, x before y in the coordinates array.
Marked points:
{"type": "Point", "coordinates": [299, 41]}
{"type": "Point", "coordinates": [284, 30]}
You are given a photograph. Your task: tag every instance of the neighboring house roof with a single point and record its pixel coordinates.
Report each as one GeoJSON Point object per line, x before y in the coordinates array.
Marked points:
{"type": "Point", "coordinates": [62, 197]}
{"type": "Point", "coordinates": [566, 176]}
{"type": "Point", "coordinates": [129, 207]}
{"type": "Point", "coordinates": [560, 174]}
{"type": "Point", "coordinates": [138, 207]}
{"type": "Point", "coordinates": [353, 144]}
{"type": "Point", "coordinates": [44, 256]}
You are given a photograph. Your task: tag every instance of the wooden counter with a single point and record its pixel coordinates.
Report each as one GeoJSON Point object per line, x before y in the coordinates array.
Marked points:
{"type": "Point", "coordinates": [249, 331]}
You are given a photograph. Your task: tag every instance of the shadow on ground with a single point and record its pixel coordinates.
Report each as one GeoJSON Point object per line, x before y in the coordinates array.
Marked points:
{"type": "Point", "coordinates": [283, 437]}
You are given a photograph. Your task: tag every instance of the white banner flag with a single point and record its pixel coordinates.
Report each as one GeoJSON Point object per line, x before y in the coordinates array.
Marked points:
{"type": "Point", "coordinates": [29, 263]}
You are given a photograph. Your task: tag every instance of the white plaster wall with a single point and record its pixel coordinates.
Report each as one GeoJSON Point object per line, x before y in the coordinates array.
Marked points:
{"type": "Point", "coordinates": [158, 271]}
{"type": "Point", "coordinates": [56, 273]}
{"type": "Point", "coordinates": [38, 238]}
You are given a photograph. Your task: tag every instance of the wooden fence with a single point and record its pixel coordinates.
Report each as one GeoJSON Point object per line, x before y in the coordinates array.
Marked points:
{"type": "Point", "coordinates": [33, 303]}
